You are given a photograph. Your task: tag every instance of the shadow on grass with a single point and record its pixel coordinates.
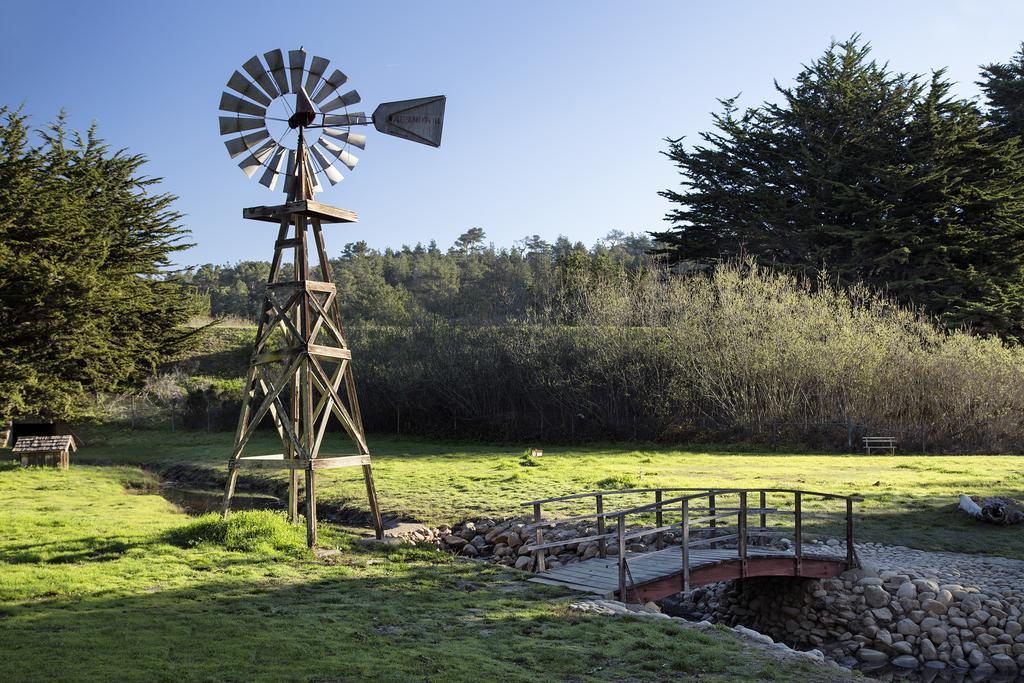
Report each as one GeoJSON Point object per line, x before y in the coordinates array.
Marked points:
{"type": "Point", "coordinates": [84, 549]}
{"type": "Point", "coordinates": [420, 623]}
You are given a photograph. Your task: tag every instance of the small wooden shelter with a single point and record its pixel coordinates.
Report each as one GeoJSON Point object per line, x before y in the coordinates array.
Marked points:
{"type": "Point", "coordinates": [45, 451]}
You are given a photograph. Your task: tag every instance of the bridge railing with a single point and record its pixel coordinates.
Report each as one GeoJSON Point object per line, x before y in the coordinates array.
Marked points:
{"type": "Point", "coordinates": [706, 517]}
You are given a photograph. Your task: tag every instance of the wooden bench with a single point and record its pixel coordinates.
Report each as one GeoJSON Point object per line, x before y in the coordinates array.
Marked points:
{"type": "Point", "coordinates": [880, 443]}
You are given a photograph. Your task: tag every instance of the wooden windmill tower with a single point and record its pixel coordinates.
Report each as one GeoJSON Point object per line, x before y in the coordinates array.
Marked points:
{"type": "Point", "coordinates": [300, 372]}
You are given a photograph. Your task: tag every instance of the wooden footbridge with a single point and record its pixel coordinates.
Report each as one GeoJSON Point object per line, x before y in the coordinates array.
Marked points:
{"type": "Point", "coordinates": [712, 539]}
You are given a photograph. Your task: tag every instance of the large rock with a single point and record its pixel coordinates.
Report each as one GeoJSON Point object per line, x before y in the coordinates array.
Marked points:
{"type": "Point", "coordinates": [882, 614]}
{"type": "Point", "coordinates": [905, 662]}
{"type": "Point", "coordinates": [525, 563]}
{"type": "Point", "coordinates": [906, 591]}
{"type": "Point", "coordinates": [1004, 663]}
{"type": "Point", "coordinates": [906, 627]}
{"type": "Point", "coordinates": [876, 596]}
{"type": "Point", "coordinates": [869, 656]}
{"type": "Point", "coordinates": [986, 640]}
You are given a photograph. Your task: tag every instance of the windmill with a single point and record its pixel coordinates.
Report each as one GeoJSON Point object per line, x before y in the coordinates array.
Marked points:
{"type": "Point", "coordinates": [292, 125]}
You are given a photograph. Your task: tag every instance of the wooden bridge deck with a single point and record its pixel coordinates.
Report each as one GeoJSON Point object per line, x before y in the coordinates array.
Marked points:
{"type": "Point", "coordinates": [658, 574]}
{"type": "Point", "coordinates": [718, 540]}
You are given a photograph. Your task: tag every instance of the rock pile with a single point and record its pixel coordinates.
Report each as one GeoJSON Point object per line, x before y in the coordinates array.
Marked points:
{"type": "Point", "coordinates": [505, 542]}
{"type": "Point", "coordinates": [907, 618]}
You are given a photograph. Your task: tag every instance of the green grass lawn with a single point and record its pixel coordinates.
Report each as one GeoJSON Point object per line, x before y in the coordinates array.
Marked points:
{"type": "Point", "coordinates": [101, 579]}
{"type": "Point", "coordinates": [909, 499]}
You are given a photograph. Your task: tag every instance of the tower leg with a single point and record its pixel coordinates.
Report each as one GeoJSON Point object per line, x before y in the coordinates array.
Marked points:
{"type": "Point", "coordinates": [310, 507]}
{"type": "Point", "coordinates": [371, 494]}
{"type": "Point", "coordinates": [229, 490]}
{"type": "Point", "coordinates": [293, 497]}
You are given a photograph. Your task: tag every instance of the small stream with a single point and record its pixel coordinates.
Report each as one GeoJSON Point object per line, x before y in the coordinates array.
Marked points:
{"type": "Point", "coordinates": [200, 501]}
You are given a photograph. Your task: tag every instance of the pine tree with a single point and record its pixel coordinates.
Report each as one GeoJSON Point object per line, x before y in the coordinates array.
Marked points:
{"type": "Point", "coordinates": [870, 176]}
{"type": "Point", "coordinates": [1003, 86]}
{"type": "Point", "coordinates": [86, 301]}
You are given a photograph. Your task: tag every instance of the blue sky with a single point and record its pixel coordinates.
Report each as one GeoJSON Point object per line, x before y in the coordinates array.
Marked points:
{"type": "Point", "coordinates": [556, 112]}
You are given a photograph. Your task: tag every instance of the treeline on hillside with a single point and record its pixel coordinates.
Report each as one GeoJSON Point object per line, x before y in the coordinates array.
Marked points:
{"type": "Point", "coordinates": [741, 354]}
{"type": "Point", "coordinates": [470, 281]}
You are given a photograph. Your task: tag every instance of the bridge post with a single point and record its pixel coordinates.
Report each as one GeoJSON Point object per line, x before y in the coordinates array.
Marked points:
{"type": "Point", "coordinates": [741, 532]}
{"type": "Point", "coordinates": [622, 557]}
{"type": "Point", "coordinates": [659, 520]}
{"type": "Point", "coordinates": [686, 545]}
{"type": "Point", "coordinates": [714, 522]}
{"type": "Point", "coordinates": [602, 544]}
{"type": "Point", "coordinates": [798, 533]}
{"type": "Point", "coordinates": [849, 534]}
{"type": "Point", "coordinates": [763, 519]}
{"type": "Point", "coordinates": [539, 563]}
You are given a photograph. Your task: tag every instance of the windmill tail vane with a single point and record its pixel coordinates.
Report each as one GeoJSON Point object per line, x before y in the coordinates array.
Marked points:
{"type": "Point", "coordinates": [300, 372]}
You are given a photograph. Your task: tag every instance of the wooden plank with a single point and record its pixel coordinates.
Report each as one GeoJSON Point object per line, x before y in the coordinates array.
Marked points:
{"type": "Point", "coordinates": [602, 582]}
{"type": "Point", "coordinates": [329, 351]}
{"type": "Point", "coordinates": [304, 285]}
{"type": "Point", "coordinates": [331, 462]}
{"type": "Point", "coordinates": [303, 207]}
{"type": "Point", "coordinates": [572, 586]}
{"type": "Point", "coordinates": [251, 463]}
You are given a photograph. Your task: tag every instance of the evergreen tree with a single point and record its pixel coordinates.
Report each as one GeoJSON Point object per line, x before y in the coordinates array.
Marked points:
{"type": "Point", "coordinates": [870, 175]}
{"type": "Point", "coordinates": [1003, 86]}
{"type": "Point", "coordinates": [471, 240]}
{"type": "Point", "coordinates": [86, 303]}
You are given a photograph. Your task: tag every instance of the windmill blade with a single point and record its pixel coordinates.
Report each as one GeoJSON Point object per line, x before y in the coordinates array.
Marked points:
{"type": "Point", "coordinates": [245, 143]}
{"type": "Point", "coordinates": [316, 71]}
{"type": "Point", "coordinates": [273, 172]}
{"type": "Point", "coordinates": [354, 139]}
{"type": "Point", "coordinates": [275, 62]}
{"type": "Point", "coordinates": [346, 100]}
{"type": "Point", "coordinates": [235, 124]}
{"type": "Point", "coordinates": [237, 105]}
{"type": "Point", "coordinates": [296, 65]}
{"type": "Point", "coordinates": [254, 161]}
{"type": "Point", "coordinates": [333, 174]}
{"type": "Point", "coordinates": [330, 86]}
{"type": "Point", "coordinates": [343, 156]}
{"type": "Point", "coordinates": [356, 118]}
{"type": "Point", "coordinates": [242, 86]}
{"type": "Point", "coordinates": [254, 67]}
{"type": "Point", "coordinates": [289, 176]}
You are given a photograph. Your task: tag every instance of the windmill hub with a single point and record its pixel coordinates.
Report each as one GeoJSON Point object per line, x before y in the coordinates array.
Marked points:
{"type": "Point", "coordinates": [301, 119]}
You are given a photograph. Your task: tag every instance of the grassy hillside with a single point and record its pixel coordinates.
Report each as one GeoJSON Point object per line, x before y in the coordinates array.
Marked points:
{"type": "Point", "coordinates": [102, 580]}
{"type": "Point", "coordinates": [909, 499]}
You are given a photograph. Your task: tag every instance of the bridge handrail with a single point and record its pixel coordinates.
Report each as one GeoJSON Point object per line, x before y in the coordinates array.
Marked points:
{"type": "Point", "coordinates": [654, 489]}
{"type": "Point", "coordinates": [611, 492]}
